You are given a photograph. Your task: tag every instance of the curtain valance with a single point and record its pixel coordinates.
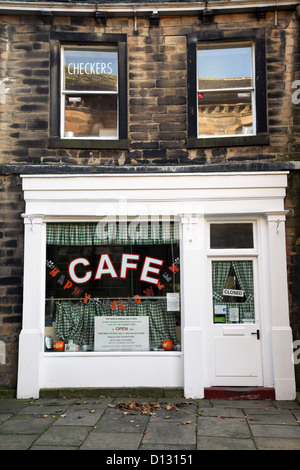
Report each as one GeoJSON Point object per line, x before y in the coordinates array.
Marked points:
{"type": "Point", "coordinates": [117, 233]}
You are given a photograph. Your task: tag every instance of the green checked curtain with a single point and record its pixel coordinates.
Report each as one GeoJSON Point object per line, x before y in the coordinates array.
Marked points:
{"type": "Point", "coordinates": [244, 274]}
{"type": "Point", "coordinates": [117, 233]}
{"type": "Point", "coordinates": [75, 320]}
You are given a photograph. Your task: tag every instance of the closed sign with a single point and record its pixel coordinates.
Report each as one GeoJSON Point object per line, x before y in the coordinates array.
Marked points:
{"type": "Point", "coordinates": [233, 292]}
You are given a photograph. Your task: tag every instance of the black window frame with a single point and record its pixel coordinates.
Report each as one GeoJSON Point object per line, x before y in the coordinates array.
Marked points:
{"type": "Point", "coordinates": [258, 39]}
{"type": "Point", "coordinates": [57, 39]}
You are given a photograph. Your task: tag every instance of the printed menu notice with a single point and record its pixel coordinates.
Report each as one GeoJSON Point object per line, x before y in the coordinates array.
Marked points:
{"type": "Point", "coordinates": [126, 333]}
{"type": "Point", "coordinates": [173, 302]}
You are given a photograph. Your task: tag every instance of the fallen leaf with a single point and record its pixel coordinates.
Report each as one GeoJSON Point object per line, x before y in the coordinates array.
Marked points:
{"type": "Point", "coordinates": [186, 422]}
{"type": "Point", "coordinates": [92, 411]}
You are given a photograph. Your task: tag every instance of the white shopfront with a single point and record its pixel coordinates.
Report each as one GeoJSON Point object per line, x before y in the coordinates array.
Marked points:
{"type": "Point", "coordinates": [208, 275]}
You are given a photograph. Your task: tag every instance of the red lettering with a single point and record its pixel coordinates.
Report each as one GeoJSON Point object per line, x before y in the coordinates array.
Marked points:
{"type": "Point", "coordinates": [86, 298]}
{"type": "Point", "coordinates": [68, 284]}
{"type": "Point", "coordinates": [174, 269]}
{"type": "Point", "coordinates": [54, 272]}
{"type": "Point", "coordinates": [160, 286]}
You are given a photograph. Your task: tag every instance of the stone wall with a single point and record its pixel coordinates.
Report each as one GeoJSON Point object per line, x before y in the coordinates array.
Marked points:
{"type": "Point", "coordinates": [157, 90]}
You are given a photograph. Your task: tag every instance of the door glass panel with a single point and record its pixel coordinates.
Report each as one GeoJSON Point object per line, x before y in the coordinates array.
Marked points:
{"type": "Point", "coordinates": [233, 292]}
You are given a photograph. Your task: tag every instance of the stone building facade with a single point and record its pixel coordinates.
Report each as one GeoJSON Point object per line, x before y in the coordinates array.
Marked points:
{"type": "Point", "coordinates": [156, 115]}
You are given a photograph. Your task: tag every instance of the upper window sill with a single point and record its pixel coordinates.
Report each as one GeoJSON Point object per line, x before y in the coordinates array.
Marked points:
{"type": "Point", "coordinates": [114, 144]}
{"type": "Point", "coordinates": [236, 141]}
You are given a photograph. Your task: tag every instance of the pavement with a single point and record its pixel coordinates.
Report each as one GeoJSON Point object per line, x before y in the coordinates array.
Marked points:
{"type": "Point", "coordinates": [155, 424]}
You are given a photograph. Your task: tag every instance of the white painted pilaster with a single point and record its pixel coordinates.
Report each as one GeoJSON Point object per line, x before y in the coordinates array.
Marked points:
{"type": "Point", "coordinates": [192, 283]}
{"type": "Point", "coordinates": [31, 336]}
{"type": "Point", "coordinates": [283, 367]}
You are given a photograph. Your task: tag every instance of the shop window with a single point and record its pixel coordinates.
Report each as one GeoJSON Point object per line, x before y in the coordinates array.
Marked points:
{"type": "Point", "coordinates": [112, 287]}
{"type": "Point", "coordinates": [227, 89]}
{"type": "Point", "coordinates": [233, 292]}
{"type": "Point", "coordinates": [88, 91]}
{"type": "Point", "coordinates": [231, 235]}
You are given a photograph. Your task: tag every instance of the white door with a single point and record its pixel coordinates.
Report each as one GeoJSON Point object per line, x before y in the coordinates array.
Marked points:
{"type": "Point", "coordinates": [236, 337]}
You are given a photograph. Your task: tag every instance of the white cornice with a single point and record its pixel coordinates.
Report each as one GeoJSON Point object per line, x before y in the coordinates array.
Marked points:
{"type": "Point", "coordinates": [125, 9]}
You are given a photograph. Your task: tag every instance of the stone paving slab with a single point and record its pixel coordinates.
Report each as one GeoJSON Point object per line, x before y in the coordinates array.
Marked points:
{"type": "Point", "coordinates": [112, 441]}
{"type": "Point", "coordinates": [275, 443]}
{"type": "Point", "coordinates": [281, 417]}
{"type": "Point", "coordinates": [10, 405]}
{"type": "Point", "coordinates": [224, 443]}
{"type": "Point", "coordinates": [168, 447]}
{"type": "Point", "coordinates": [25, 424]}
{"type": "Point", "coordinates": [269, 430]}
{"type": "Point", "coordinates": [222, 412]}
{"type": "Point", "coordinates": [64, 436]}
{"type": "Point", "coordinates": [17, 442]}
{"type": "Point", "coordinates": [42, 410]}
{"type": "Point", "coordinates": [79, 418]}
{"type": "Point", "coordinates": [223, 427]}
{"type": "Point", "coordinates": [159, 432]}
{"type": "Point", "coordinates": [129, 423]}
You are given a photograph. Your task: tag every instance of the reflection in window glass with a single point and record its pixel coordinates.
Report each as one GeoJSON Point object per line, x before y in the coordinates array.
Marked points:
{"type": "Point", "coordinates": [225, 90]}
{"type": "Point", "coordinates": [225, 67]}
{"type": "Point", "coordinates": [233, 292]}
{"type": "Point", "coordinates": [113, 286]}
{"type": "Point", "coordinates": [225, 113]}
{"type": "Point", "coordinates": [231, 235]}
{"type": "Point", "coordinates": [91, 115]}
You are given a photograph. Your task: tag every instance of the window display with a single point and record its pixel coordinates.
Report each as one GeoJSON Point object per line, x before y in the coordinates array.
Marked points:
{"type": "Point", "coordinates": [112, 286]}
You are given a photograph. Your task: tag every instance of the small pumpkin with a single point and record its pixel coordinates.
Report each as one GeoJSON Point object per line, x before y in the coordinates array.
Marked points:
{"type": "Point", "coordinates": [59, 346]}
{"type": "Point", "coordinates": [167, 345]}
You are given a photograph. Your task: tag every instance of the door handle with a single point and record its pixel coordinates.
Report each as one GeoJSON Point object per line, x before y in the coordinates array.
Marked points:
{"type": "Point", "coordinates": [256, 333]}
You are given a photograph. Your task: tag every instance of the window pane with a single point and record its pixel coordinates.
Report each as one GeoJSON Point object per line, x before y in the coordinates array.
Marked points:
{"type": "Point", "coordinates": [91, 115]}
{"type": "Point", "coordinates": [233, 292]}
{"type": "Point", "coordinates": [224, 113]}
{"type": "Point", "coordinates": [231, 235]}
{"type": "Point", "coordinates": [90, 70]}
{"type": "Point", "coordinates": [224, 68]}
{"type": "Point", "coordinates": [114, 295]}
